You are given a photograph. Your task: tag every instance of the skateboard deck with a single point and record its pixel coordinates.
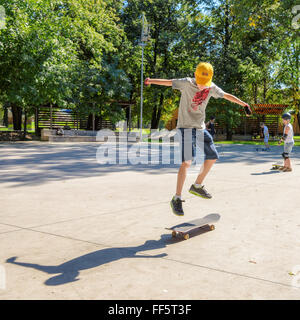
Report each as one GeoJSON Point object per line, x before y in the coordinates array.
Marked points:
{"type": "Point", "coordinates": [276, 166]}
{"type": "Point", "coordinates": [184, 228]}
{"type": "Point", "coordinates": [262, 149]}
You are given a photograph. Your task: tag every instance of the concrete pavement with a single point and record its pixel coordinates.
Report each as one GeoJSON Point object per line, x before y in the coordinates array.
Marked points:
{"type": "Point", "coordinates": [71, 228]}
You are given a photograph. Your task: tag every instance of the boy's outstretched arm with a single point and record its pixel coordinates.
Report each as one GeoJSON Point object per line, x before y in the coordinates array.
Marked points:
{"type": "Point", "coordinates": [160, 82]}
{"type": "Point", "coordinates": [234, 99]}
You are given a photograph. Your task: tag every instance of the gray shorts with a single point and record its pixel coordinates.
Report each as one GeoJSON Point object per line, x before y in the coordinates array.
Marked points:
{"type": "Point", "coordinates": [288, 146]}
{"type": "Point", "coordinates": [191, 138]}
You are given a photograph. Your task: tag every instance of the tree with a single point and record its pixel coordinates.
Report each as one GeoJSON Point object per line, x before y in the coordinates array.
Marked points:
{"type": "Point", "coordinates": [167, 18]}
{"type": "Point", "coordinates": [44, 46]}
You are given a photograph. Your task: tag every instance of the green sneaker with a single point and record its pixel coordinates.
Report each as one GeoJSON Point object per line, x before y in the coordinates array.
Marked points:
{"type": "Point", "coordinates": [176, 205]}
{"type": "Point", "coordinates": [200, 192]}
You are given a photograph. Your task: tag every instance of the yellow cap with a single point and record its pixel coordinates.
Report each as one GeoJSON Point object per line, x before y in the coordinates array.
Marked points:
{"type": "Point", "coordinates": [204, 73]}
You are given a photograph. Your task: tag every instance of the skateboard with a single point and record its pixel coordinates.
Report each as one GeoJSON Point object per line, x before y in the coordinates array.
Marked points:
{"type": "Point", "coordinates": [262, 149]}
{"type": "Point", "coordinates": [184, 228]}
{"type": "Point", "coordinates": [276, 166]}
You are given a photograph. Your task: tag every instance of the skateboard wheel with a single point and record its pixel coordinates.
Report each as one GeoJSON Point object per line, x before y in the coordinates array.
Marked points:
{"type": "Point", "coordinates": [174, 234]}
{"type": "Point", "coordinates": [212, 227]}
{"type": "Point", "coordinates": [186, 237]}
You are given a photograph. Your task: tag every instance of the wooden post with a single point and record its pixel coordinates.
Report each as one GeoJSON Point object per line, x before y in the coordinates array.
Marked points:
{"type": "Point", "coordinates": [100, 118]}
{"type": "Point", "coordinates": [5, 116]}
{"type": "Point", "coordinates": [36, 120]}
{"type": "Point", "coordinates": [129, 120]}
{"type": "Point", "coordinates": [50, 116]}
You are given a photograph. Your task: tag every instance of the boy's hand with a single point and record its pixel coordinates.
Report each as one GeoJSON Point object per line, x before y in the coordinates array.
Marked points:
{"type": "Point", "coordinates": [147, 82]}
{"type": "Point", "coordinates": [247, 110]}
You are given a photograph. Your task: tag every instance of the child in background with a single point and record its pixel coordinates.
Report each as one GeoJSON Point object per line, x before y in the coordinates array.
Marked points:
{"type": "Point", "coordinates": [266, 135]}
{"type": "Point", "coordinates": [288, 139]}
{"type": "Point", "coordinates": [210, 126]}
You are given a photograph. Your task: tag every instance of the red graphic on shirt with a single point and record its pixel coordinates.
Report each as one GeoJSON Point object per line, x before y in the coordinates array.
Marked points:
{"type": "Point", "coordinates": [199, 97]}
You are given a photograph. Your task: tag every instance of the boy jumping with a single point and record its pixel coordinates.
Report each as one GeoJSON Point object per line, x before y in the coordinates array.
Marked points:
{"type": "Point", "coordinates": [288, 138]}
{"type": "Point", "coordinates": [195, 94]}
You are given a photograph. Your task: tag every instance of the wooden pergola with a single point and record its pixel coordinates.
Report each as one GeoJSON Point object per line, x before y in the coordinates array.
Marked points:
{"type": "Point", "coordinates": [269, 113]}
{"type": "Point", "coordinates": [269, 109]}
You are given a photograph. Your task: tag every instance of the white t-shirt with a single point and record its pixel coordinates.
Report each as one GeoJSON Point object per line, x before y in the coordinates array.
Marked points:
{"type": "Point", "coordinates": [290, 135]}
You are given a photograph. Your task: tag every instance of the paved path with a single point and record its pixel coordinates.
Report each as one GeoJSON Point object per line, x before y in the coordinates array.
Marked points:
{"type": "Point", "coordinates": [71, 228]}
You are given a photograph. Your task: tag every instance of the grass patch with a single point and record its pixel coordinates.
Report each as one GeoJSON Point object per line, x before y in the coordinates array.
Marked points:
{"type": "Point", "coordinates": [145, 131]}
{"type": "Point", "coordinates": [256, 143]}
{"type": "Point", "coordinates": [11, 129]}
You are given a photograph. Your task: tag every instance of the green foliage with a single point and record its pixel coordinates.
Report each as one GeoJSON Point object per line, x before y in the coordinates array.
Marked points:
{"type": "Point", "coordinates": [85, 54]}
{"type": "Point", "coordinates": [61, 53]}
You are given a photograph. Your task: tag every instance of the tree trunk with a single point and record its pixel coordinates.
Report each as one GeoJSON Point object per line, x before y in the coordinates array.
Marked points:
{"type": "Point", "coordinates": [17, 117]}
{"type": "Point", "coordinates": [5, 117]}
{"type": "Point", "coordinates": [226, 41]}
{"type": "Point", "coordinates": [254, 87]}
{"type": "Point", "coordinates": [227, 38]}
{"type": "Point", "coordinates": [98, 122]}
{"type": "Point", "coordinates": [228, 134]}
{"type": "Point", "coordinates": [155, 51]}
{"type": "Point", "coordinates": [100, 119]}
{"type": "Point", "coordinates": [153, 119]}
{"type": "Point", "coordinates": [265, 90]}
{"type": "Point", "coordinates": [89, 123]}
{"type": "Point", "coordinates": [36, 121]}
{"type": "Point", "coordinates": [25, 125]}
{"type": "Point", "coordinates": [156, 113]}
